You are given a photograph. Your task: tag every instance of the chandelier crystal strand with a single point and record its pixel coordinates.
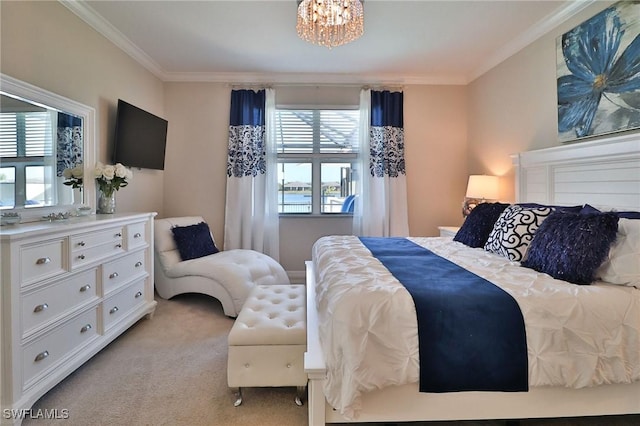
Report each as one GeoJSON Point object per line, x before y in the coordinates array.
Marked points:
{"type": "Point", "coordinates": [330, 23]}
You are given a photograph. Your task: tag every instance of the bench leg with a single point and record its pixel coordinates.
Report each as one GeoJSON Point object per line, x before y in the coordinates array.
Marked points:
{"type": "Point", "coordinates": [238, 397]}
{"type": "Point", "coordinates": [301, 391]}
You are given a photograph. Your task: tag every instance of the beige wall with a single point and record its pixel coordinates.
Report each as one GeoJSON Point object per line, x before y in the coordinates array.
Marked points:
{"type": "Point", "coordinates": [196, 155]}
{"type": "Point", "coordinates": [44, 44]}
{"type": "Point", "coordinates": [513, 107]}
{"type": "Point", "coordinates": [435, 125]}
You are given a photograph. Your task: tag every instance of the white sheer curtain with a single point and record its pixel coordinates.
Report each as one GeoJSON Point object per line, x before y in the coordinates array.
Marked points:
{"type": "Point", "coordinates": [251, 210]}
{"type": "Point", "coordinates": [271, 237]}
{"type": "Point", "coordinates": [381, 207]}
{"type": "Point", "coordinates": [361, 221]}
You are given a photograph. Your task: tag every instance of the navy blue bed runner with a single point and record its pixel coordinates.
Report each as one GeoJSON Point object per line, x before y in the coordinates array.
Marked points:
{"type": "Point", "coordinates": [471, 332]}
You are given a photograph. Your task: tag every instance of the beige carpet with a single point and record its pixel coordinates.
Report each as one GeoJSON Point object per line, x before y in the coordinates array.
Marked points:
{"type": "Point", "coordinates": [171, 370]}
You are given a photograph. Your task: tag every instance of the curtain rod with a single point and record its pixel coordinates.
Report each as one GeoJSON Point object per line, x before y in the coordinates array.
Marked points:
{"type": "Point", "coordinates": [398, 87]}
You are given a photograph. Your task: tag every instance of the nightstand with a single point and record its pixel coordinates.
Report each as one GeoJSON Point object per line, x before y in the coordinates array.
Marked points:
{"type": "Point", "coordinates": [448, 231]}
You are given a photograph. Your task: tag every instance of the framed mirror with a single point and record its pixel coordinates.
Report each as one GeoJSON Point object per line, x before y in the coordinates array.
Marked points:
{"type": "Point", "coordinates": [44, 137]}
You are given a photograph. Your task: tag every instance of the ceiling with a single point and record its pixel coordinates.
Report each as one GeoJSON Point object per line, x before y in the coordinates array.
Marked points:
{"type": "Point", "coordinates": [420, 42]}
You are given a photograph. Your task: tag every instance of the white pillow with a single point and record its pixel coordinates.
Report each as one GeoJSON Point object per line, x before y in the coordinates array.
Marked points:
{"type": "Point", "coordinates": [622, 265]}
{"type": "Point", "coordinates": [513, 231]}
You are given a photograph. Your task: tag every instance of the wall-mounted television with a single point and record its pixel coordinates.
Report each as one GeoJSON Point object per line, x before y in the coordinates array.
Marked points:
{"type": "Point", "coordinates": [140, 138]}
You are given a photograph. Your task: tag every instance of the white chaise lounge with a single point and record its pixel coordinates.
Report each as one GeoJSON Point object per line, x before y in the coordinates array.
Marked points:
{"type": "Point", "coordinates": [227, 275]}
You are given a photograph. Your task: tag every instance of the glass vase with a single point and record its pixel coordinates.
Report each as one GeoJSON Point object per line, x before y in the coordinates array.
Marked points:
{"type": "Point", "coordinates": [107, 203]}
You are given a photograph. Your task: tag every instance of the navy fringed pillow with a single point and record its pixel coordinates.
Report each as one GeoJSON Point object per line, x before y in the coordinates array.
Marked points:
{"type": "Point", "coordinates": [571, 247]}
{"type": "Point", "coordinates": [194, 241]}
{"type": "Point", "coordinates": [475, 230]}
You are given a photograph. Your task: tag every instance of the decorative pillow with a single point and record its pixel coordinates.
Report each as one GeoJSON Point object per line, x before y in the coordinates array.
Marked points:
{"type": "Point", "coordinates": [194, 241]}
{"type": "Point", "coordinates": [571, 247]}
{"type": "Point", "coordinates": [622, 215]}
{"type": "Point", "coordinates": [628, 215]}
{"type": "Point", "coordinates": [514, 229]}
{"type": "Point", "coordinates": [568, 209]}
{"type": "Point", "coordinates": [622, 265]}
{"type": "Point", "coordinates": [476, 228]}
{"type": "Point", "coordinates": [589, 209]}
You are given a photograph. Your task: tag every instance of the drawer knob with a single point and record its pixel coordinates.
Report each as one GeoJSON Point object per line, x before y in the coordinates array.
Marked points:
{"type": "Point", "coordinates": [119, 234]}
{"type": "Point", "coordinates": [43, 261]}
{"type": "Point", "coordinates": [85, 328]}
{"type": "Point", "coordinates": [138, 264]}
{"type": "Point", "coordinates": [114, 275]}
{"type": "Point", "coordinates": [118, 245]}
{"type": "Point", "coordinates": [81, 243]}
{"type": "Point", "coordinates": [84, 288]}
{"type": "Point", "coordinates": [137, 235]}
{"type": "Point", "coordinates": [40, 308]}
{"type": "Point", "coordinates": [41, 356]}
{"type": "Point", "coordinates": [138, 294]}
{"type": "Point", "coordinates": [113, 310]}
{"type": "Point", "coordinates": [81, 257]}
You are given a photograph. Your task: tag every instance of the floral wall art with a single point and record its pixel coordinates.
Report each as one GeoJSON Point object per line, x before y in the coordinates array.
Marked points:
{"type": "Point", "coordinates": [598, 74]}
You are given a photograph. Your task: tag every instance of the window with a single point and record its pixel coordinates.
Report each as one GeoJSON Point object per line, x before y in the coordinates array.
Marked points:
{"type": "Point", "coordinates": [317, 149]}
{"type": "Point", "coordinates": [25, 142]}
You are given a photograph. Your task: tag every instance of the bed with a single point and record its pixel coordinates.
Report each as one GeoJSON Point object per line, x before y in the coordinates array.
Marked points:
{"type": "Point", "coordinates": [604, 174]}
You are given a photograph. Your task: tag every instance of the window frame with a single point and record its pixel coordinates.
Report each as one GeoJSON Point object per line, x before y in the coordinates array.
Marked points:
{"type": "Point", "coordinates": [29, 127]}
{"type": "Point", "coordinates": [317, 158]}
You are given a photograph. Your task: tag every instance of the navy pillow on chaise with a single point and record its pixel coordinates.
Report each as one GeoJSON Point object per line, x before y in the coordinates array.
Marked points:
{"type": "Point", "coordinates": [194, 241]}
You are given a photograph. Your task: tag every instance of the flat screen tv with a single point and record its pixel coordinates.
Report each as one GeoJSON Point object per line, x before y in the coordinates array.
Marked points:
{"type": "Point", "coordinates": [140, 138]}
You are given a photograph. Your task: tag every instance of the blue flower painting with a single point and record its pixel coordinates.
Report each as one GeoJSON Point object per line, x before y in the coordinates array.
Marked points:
{"type": "Point", "coordinates": [599, 74]}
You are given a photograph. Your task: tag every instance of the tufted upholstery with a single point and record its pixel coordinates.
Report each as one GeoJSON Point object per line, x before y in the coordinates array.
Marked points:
{"type": "Point", "coordinates": [268, 340]}
{"type": "Point", "coordinates": [228, 275]}
{"type": "Point", "coordinates": [272, 315]}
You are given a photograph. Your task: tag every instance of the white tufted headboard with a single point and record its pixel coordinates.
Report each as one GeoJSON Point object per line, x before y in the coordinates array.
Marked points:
{"type": "Point", "coordinates": [604, 173]}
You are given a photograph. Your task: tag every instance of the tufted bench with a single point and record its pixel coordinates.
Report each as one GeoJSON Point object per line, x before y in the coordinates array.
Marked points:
{"type": "Point", "coordinates": [268, 340]}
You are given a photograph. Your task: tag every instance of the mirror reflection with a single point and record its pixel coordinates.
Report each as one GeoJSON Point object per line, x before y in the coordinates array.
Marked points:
{"type": "Point", "coordinates": [39, 148]}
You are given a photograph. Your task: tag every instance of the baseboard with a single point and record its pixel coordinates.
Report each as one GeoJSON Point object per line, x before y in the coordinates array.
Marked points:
{"type": "Point", "coordinates": [296, 277]}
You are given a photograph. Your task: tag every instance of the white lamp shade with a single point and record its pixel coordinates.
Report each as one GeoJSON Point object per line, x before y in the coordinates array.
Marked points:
{"type": "Point", "coordinates": [482, 186]}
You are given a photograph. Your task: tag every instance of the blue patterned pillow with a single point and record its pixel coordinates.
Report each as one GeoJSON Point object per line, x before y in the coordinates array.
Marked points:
{"type": "Point", "coordinates": [194, 241]}
{"type": "Point", "coordinates": [571, 247]}
{"type": "Point", "coordinates": [514, 230]}
{"type": "Point", "coordinates": [476, 228]}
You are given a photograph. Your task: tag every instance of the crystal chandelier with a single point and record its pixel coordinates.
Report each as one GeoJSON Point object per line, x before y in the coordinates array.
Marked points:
{"type": "Point", "coordinates": [330, 23]}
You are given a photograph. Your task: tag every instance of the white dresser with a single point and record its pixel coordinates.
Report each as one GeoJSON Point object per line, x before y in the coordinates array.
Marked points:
{"type": "Point", "coordinates": [69, 288]}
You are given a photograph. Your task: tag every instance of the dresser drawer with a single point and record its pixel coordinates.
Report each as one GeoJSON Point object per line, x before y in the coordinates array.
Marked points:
{"type": "Point", "coordinates": [98, 238]}
{"type": "Point", "coordinates": [46, 352]}
{"type": "Point", "coordinates": [41, 260]}
{"type": "Point", "coordinates": [136, 235]}
{"type": "Point", "coordinates": [122, 271]}
{"type": "Point", "coordinates": [92, 254]}
{"type": "Point", "coordinates": [60, 298]}
{"type": "Point", "coordinates": [91, 247]}
{"type": "Point", "coordinates": [120, 304]}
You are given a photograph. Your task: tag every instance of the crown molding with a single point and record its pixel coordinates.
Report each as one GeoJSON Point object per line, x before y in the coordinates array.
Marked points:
{"type": "Point", "coordinates": [543, 27]}
{"type": "Point", "coordinates": [312, 78]}
{"type": "Point", "coordinates": [102, 26]}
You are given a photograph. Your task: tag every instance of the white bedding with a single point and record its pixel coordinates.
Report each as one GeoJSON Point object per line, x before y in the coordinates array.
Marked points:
{"type": "Point", "coordinates": [577, 336]}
